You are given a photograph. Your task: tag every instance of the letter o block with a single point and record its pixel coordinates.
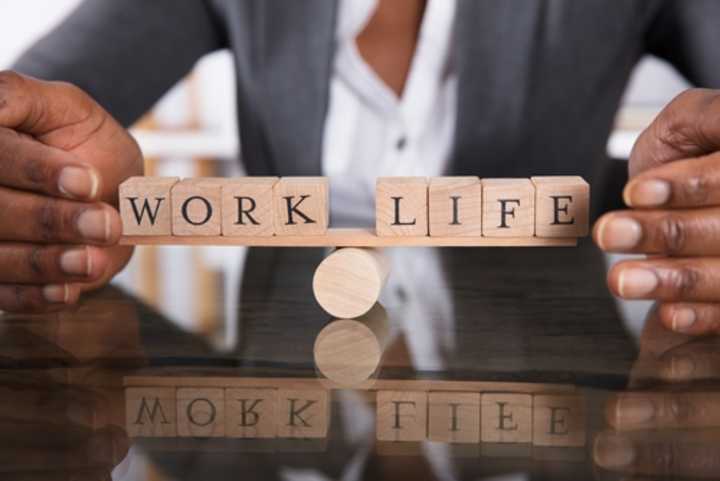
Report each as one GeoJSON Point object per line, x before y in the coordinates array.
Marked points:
{"type": "Point", "coordinates": [401, 206]}
{"type": "Point", "coordinates": [196, 207]}
{"type": "Point", "coordinates": [201, 412]}
{"type": "Point", "coordinates": [562, 205]}
{"type": "Point", "coordinates": [508, 208]}
{"type": "Point", "coordinates": [301, 206]}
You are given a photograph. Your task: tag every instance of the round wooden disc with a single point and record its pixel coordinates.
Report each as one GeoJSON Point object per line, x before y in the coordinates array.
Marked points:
{"type": "Point", "coordinates": [348, 282]}
{"type": "Point", "coordinates": [347, 352]}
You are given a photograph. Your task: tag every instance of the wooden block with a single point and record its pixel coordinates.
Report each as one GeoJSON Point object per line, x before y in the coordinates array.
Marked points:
{"type": "Point", "coordinates": [250, 413]}
{"type": "Point", "coordinates": [401, 206]}
{"type": "Point", "coordinates": [559, 421]}
{"type": "Point", "coordinates": [145, 207]}
{"type": "Point", "coordinates": [401, 416]}
{"type": "Point", "coordinates": [201, 412]}
{"type": "Point", "coordinates": [562, 206]}
{"type": "Point", "coordinates": [506, 418]}
{"type": "Point", "coordinates": [150, 412]}
{"type": "Point", "coordinates": [303, 413]}
{"type": "Point", "coordinates": [455, 206]}
{"type": "Point", "coordinates": [508, 208]}
{"type": "Point", "coordinates": [247, 206]}
{"type": "Point", "coordinates": [302, 206]}
{"type": "Point", "coordinates": [454, 417]}
{"type": "Point", "coordinates": [197, 207]}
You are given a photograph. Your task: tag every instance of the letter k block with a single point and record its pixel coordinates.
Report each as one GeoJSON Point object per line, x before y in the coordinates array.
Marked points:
{"type": "Point", "coordinates": [301, 206]}
{"type": "Point", "coordinates": [303, 414]}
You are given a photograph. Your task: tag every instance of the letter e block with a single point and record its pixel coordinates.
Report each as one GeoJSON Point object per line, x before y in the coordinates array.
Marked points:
{"type": "Point", "coordinates": [301, 206]}
{"type": "Point", "coordinates": [150, 412]}
{"type": "Point", "coordinates": [506, 418]}
{"type": "Point", "coordinates": [145, 205]}
{"type": "Point", "coordinates": [559, 421]}
{"type": "Point", "coordinates": [454, 417]}
{"type": "Point", "coordinates": [401, 206]}
{"type": "Point", "coordinates": [401, 416]}
{"type": "Point", "coordinates": [562, 206]}
{"type": "Point", "coordinates": [201, 412]}
{"type": "Point", "coordinates": [250, 413]}
{"type": "Point", "coordinates": [247, 206]}
{"type": "Point", "coordinates": [455, 206]}
{"type": "Point", "coordinates": [303, 413]}
{"type": "Point", "coordinates": [508, 208]}
{"type": "Point", "coordinates": [197, 207]}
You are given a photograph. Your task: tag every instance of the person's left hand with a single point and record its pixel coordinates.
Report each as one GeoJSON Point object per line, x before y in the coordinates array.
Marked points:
{"type": "Point", "coordinates": [674, 196]}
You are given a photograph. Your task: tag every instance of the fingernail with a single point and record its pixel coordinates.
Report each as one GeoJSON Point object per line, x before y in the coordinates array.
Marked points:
{"type": "Point", "coordinates": [679, 368]}
{"type": "Point", "coordinates": [619, 234]}
{"type": "Point", "coordinates": [78, 183]}
{"type": "Point", "coordinates": [56, 294]}
{"type": "Point", "coordinates": [683, 318]}
{"type": "Point", "coordinates": [613, 451]}
{"type": "Point", "coordinates": [647, 193]}
{"type": "Point", "coordinates": [633, 410]}
{"type": "Point", "coordinates": [76, 262]}
{"type": "Point", "coordinates": [636, 282]}
{"type": "Point", "coordinates": [94, 224]}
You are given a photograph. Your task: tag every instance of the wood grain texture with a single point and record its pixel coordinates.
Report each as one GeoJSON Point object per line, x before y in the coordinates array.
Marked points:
{"type": "Point", "coordinates": [401, 416]}
{"type": "Point", "coordinates": [247, 206]}
{"type": "Point", "coordinates": [401, 206]}
{"type": "Point", "coordinates": [454, 417]}
{"type": "Point", "coordinates": [508, 208]}
{"type": "Point", "coordinates": [562, 206]}
{"type": "Point", "coordinates": [251, 413]}
{"type": "Point", "coordinates": [506, 418]}
{"type": "Point", "coordinates": [197, 207]}
{"type": "Point", "coordinates": [559, 421]}
{"type": "Point", "coordinates": [201, 412]}
{"type": "Point", "coordinates": [150, 412]}
{"type": "Point", "coordinates": [455, 206]}
{"type": "Point", "coordinates": [303, 413]}
{"type": "Point", "coordinates": [301, 206]}
{"type": "Point", "coordinates": [145, 207]}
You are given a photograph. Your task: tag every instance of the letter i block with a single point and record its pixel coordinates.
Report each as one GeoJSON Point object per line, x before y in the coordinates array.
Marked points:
{"type": "Point", "coordinates": [201, 412]}
{"type": "Point", "coordinates": [196, 207]}
{"type": "Point", "coordinates": [247, 206]}
{"type": "Point", "coordinates": [562, 206]}
{"type": "Point", "coordinates": [250, 413]}
{"type": "Point", "coordinates": [508, 208]}
{"type": "Point", "coordinates": [401, 206]}
{"type": "Point", "coordinates": [145, 205]}
{"type": "Point", "coordinates": [301, 206]}
{"type": "Point", "coordinates": [303, 414]}
{"type": "Point", "coordinates": [559, 421]}
{"type": "Point", "coordinates": [506, 418]}
{"type": "Point", "coordinates": [150, 412]}
{"type": "Point", "coordinates": [455, 206]}
{"type": "Point", "coordinates": [401, 416]}
{"type": "Point", "coordinates": [454, 417]}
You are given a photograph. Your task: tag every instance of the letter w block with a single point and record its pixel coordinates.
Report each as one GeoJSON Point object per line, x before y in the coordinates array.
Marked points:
{"type": "Point", "coordinates": [145, 205]}
{"type": "Point", "coordinates": [150, 412]}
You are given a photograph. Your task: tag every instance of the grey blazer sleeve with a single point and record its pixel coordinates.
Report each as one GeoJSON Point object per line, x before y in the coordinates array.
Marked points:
{"type": "Point", "coordinates": [126, 53]}
{"type": "Point", "coordinates": [687, 34]}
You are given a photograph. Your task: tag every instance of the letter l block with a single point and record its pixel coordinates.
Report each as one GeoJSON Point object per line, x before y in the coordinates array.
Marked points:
{"type": "Point", "coordinates": [401, 206]}
{"type": "Point", "coordinates": [301, 206]}
{"type": "Point", "coordinates": [145, 205]}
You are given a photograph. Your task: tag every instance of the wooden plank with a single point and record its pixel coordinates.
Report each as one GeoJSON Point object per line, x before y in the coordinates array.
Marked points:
{"type": "Point", "coordinates": [351, 237]}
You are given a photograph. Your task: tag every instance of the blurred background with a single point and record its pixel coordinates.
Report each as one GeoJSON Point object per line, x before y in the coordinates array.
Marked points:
{"type": "Point", "coordinates": [192, 131]}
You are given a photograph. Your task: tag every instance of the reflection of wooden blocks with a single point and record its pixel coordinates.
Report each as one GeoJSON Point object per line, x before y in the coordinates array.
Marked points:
{"type": "Point", "coordinates": [250, 413]}
{"type": "Point", "coordinates": [506, 418]}
{"type": "Point", "coordinates": [145, 205]}
{"type": "Point", "coordinates": [303, 413]}
{"type": "Point", "coordinates": [562, 206]}
{"type": "Point", "coordinates": [454, 417]}
{"type": "Point", "coordinates": [196, 207]}
{"type": "Point", "coordinates": [559, 421]}
{"type": "Point", "coordinates": [150, 412]}
{"type": "Point", "coordinates": [201, 412]}
{"type": "Point", "coordinates": [401, 206]}
{"type": "Point", "coordinates": [302, 206]}
{"type": "Point", "coordinates": [247, 206]}
{"type": "Point", "coordinates": [508, 208]}
{"type": "Point", "coordinates": [455, 205]}
{"type": "Point", "coordinates": [401, 416]}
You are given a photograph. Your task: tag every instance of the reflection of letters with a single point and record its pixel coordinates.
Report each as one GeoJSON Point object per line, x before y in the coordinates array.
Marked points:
{"type": "Point", "coordinates": [558, 420]}
{"type": "Point", "coordinates": [151, 413]}
{"type": "Point", "coordinates": [505, 419]}
{"type": "Point", "coordinates": [248, 416]}
{"type": "Point", "coordinates": [397, 416]}
{"type": "Point", "coordinates": [197, 418]}
{"type": "Point", "coordinates": [297, 413]}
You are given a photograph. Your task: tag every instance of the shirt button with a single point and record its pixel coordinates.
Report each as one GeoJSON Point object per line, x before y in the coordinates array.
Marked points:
{"type": "Point", "coordinates": [401, 143]}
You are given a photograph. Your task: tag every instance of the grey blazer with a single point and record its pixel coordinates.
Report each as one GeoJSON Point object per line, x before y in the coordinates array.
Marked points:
{"type": "Point", "coordinates": [539, 80]}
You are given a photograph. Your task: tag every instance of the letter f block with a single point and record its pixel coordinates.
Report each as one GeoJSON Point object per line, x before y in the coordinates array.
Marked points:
{"type": "Point", "coordinates": [508, 208]}
{"type": "Point", "coordinates": [401, 206]}
{"type": "Point", "coordinates": [145, 205]}
{"type": "Point", "coordinates": [301, 206]}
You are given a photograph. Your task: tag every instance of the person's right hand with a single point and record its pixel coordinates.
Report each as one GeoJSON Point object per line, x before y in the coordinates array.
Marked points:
{"type": "Point", "coordinates": [62, 158]}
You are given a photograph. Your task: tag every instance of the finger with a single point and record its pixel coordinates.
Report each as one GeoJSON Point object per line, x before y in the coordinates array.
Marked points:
{"type": "Point", "coordinates": [653, 453]}
{"type": "Point", "coordinates": [33, 218]}
{"type": "Point", "coordinates": [688, 127]}
{"type": "Point", "coordinates": [663, 410]}
{"type": "Point", "coordinates": [30, 165]}
{"type": "Point", "coordinates": [666, 232]}
{"type": "Point", "coordinates": [40, 264]}
{"type": "Point", "coordinates": [23, 298]}
{"type": "Point", "coordinates": [687, 280]}
{"type": "Point", "coordinates": [695, 319]}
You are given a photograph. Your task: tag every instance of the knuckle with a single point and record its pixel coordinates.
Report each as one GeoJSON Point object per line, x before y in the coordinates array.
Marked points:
{"type": "Point", "coordinates": [683, 280]}
{"type": "Point", "coordinates": [36, 171]}
{"type": "Point", "coordinates": [695, 189]}
{"type": "Point", "coordinates": [673, 234]}
{"type": "Point", "coordinates": [54, 221]}
{"type": "Point", "coordinates": [680, 409]}
{"type": "Point", "coordinates": [27, 299]}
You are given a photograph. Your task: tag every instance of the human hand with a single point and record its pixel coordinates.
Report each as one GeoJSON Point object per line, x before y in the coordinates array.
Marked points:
{"type": "Point", "coordinates": [63, 158]}
{"type": "Point", "coordinates": [674, 196]}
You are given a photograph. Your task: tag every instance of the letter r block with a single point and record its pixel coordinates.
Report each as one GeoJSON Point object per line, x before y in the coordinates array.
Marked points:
{"type": "Point", "coordinates": [303, 413]}
{"type": "Point", "coordinates": [247, 206]}
{"type": "Point", "coordinates": [401, 206]}
{"type": "Point", "coordinates": [196, 207]}
{"type": "Point", "coordinates": [508, 208]}
{"type": "Point", "coordinates": [506, 418]}
{"type": "Point", "coordinates": [562, 205]}
{"type": "Point", "coordinates": [145, 205]}
{"type": "Point", "coordinates": [250, 413]}
{"type": "Point", "coordinates": [401, 416]}
{"type": "Point", "coordinates": [301, 206]}
{"type": "Point", "coordinates": [150, 412]}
